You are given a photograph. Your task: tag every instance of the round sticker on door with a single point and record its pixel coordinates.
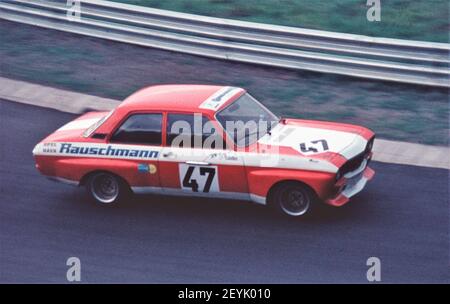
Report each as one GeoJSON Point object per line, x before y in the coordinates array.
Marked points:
{"type": "Point", "coordinates": [152, 169]}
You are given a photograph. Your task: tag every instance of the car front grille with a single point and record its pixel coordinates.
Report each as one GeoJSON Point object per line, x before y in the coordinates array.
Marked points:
{"type": "Point", "coordinates": [355, 162]}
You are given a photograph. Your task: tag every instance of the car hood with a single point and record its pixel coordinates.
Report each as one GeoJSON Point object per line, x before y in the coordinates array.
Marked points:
{"type": "Point", "coordinates": [318, 139]}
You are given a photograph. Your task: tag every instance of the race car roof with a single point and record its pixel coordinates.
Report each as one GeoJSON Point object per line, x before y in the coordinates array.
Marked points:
{"type": "Point", "coordinates": [190, 98]}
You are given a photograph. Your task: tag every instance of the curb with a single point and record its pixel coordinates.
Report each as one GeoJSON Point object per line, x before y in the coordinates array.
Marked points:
{"type": "Point", "coordinates": [386, 151]}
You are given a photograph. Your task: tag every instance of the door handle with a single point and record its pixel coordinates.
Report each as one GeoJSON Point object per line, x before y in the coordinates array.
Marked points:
{"type": "Point", "coordinates": [197, 163]}
{"type": "Point", "coordinates": [168, 154]}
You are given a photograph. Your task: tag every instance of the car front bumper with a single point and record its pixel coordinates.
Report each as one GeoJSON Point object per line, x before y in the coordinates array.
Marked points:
{"type": "Point", "coordinates": [350, 186]}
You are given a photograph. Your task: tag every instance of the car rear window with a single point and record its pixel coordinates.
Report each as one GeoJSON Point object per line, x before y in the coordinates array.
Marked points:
{"type": "Point", "coordinates": [97, 124]}
{"type": "Point", "coordinates": [140, 129]}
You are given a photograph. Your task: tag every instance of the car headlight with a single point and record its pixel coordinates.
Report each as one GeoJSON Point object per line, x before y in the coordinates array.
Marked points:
{"type": "Point", "coordinates": [370, 145]}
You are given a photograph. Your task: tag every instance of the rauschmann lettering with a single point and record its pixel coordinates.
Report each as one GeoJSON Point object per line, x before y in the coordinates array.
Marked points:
{"type": "Point", "coordinates": [107, 151]}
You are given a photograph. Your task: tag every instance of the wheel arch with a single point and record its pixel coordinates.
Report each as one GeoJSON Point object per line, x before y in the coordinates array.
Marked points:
{"type": "Point", "coordinates": [262, 182]}
{"type": "Point", "coordinates": [278, 184]}
{"type": "Point", "coordinates": [86, 176]}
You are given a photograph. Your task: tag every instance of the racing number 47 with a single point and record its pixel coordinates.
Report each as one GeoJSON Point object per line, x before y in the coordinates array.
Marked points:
{"type": "Point", "coordinates": [190, 182]}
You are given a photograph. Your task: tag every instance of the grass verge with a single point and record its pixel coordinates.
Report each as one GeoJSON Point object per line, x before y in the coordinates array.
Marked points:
{"type": "Point", "coordinates": [104, 68]}
{"type": "Point", "coordinates": [404, 19]}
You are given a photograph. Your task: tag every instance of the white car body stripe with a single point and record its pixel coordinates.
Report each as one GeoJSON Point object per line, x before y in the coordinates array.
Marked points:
{"type": "Point", "coordinates": [179, 192]}
{"type": "Point", "coordinates": [79, 124]}
{"type": "Point", "coordinates": [283, 161]}
{"type": "Point", "coordinates": [345, 143]}
{"type": "Point", "coordinates": [97, 150]}
{"type": "Point", "coordinates": [184, 192]}
{"type": "Point", "coordinates": [213, 157]}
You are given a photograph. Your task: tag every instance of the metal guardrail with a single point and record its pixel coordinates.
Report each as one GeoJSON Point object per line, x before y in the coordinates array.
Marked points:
{"type": "Point", "coordinates": [416, 62]}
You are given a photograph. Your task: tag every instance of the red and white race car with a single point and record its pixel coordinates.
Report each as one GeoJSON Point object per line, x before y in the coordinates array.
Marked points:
{"type": "Point", "coordinates": [213, 141]}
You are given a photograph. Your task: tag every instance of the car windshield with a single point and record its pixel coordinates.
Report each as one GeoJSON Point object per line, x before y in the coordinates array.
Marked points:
{"type": "Point", "coordinates": [246, 120]}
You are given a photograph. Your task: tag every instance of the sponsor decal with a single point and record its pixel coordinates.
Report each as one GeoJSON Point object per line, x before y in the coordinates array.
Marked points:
{"type": "Point", "coordinates": [68, 148]}
{"type": "Point", "coordinates": [216, 100]}
{"type": "Point", "coordinates": [49, 148]}
{"type": "Point", "coordinates": [223, 156]}
{"type": "Point", "coordinates": [152, 169]}
{"type": "Point", "coordinates": [143, 168]}
{"type": "Point", "coordinates": [147, 168]}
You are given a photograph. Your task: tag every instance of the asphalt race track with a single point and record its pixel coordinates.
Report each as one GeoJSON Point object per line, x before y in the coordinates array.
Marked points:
{"type": "Point", "coordinates": [401, 218]}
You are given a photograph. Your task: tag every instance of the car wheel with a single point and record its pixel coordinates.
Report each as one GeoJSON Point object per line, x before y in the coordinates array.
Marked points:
{"type": "Point", "coordinates": [106, 188]}
{"type": "Point", "coordinates": [293, 199]}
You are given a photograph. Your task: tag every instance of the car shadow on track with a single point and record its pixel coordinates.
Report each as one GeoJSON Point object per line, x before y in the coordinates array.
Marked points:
{"type": "Point", "coordinates": [154, 206]}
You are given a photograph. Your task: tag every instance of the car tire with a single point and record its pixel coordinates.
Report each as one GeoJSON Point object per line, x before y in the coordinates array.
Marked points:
{"type": "Point", "coordinates": [106, 188]}
{"type": "Point", "coordinates": [293, 199]}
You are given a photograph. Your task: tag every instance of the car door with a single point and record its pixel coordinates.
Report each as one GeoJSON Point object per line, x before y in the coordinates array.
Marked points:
{"type": "Point", "coordinates": [195, 162]}
{"type": "Point", "coordinates": [136, 144]}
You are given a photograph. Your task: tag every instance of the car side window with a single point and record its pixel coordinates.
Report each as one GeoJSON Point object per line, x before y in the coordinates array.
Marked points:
{"type": "Point", "coordinates": [140, 129]}
{"type": "Point", "coordinates": [192, 131]}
